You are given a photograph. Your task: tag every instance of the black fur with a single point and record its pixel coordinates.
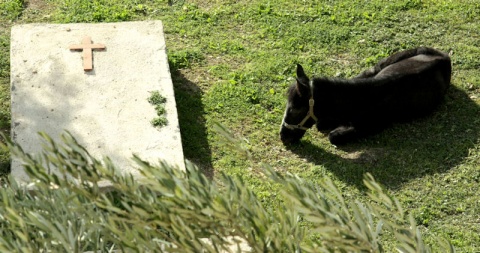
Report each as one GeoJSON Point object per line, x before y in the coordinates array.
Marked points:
{"type": "Point", "coordinates": [404, 86]}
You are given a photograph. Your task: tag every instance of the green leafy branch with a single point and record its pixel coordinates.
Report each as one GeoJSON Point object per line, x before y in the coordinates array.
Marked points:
{"type": "Point", "coordinates": [183, 211]}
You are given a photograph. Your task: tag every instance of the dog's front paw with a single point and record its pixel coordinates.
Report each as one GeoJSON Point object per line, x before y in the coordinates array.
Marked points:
{"type": "Point", "coordinates": [342, 135]}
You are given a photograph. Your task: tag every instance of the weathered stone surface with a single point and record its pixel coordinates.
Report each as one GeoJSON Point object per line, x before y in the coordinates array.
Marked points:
{"type": "Point", "coordinates": [106, 109]}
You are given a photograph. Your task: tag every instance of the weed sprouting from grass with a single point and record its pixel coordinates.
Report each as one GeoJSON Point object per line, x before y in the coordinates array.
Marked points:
{"type": "Point", "coordinates": [158, 101]}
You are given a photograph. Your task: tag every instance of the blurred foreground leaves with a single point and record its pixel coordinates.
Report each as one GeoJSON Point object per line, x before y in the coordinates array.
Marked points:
{"type": "Point", "coordinates": [169, 210]}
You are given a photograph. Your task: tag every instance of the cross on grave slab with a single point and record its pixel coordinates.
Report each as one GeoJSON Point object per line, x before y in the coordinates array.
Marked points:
{"type": "Point", "coordinates": [106, 110]}
{"type": "Point", "coordinates": [87, 48]}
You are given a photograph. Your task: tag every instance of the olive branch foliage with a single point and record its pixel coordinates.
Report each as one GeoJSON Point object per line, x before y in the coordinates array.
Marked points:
{"type": "Point", "coordinates": [169, 210]}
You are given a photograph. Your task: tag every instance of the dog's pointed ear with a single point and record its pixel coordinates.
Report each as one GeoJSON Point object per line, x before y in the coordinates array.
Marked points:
{"type": "Point", "coordinates": [302, 81]}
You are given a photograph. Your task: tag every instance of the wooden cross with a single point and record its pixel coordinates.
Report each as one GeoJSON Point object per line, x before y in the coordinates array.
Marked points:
{"type": "Point", "coordinates": [87, 48]}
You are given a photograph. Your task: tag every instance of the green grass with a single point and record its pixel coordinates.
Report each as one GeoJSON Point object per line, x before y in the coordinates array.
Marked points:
{"type": "Point", "coordinates": [232, 62]}
{"type": "Point", "coordinates": [10, 9]}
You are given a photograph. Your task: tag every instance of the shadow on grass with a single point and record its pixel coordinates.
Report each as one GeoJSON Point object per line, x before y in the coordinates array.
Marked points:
{"type": "Point", "coordinates": [4, 155]}
{"type": "Point", "coordinates": [192, 123]}
{"type": "Point", "coordinates": [4, 96]}
{"type": "Point", "coordinates": [406, 151]}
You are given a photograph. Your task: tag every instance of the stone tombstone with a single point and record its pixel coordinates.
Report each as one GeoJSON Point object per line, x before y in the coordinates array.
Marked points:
{"type": "Point", "coordinates": [95, 81]}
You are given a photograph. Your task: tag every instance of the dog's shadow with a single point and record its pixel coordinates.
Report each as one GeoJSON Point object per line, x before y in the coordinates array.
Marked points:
{"type": "Point", "coordinates": [406, 151]}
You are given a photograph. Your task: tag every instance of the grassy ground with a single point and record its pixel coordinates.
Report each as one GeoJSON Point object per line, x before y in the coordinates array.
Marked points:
{"type": "Point", "coordinates": [232, 61]}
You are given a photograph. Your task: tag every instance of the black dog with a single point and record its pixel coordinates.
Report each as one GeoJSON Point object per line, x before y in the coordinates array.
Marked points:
{"type": "Point", "coordinates": [404, 86]}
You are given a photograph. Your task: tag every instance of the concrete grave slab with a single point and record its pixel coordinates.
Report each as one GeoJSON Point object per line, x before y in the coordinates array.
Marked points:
{"type": "Point", "coordinates": [105, 104]}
